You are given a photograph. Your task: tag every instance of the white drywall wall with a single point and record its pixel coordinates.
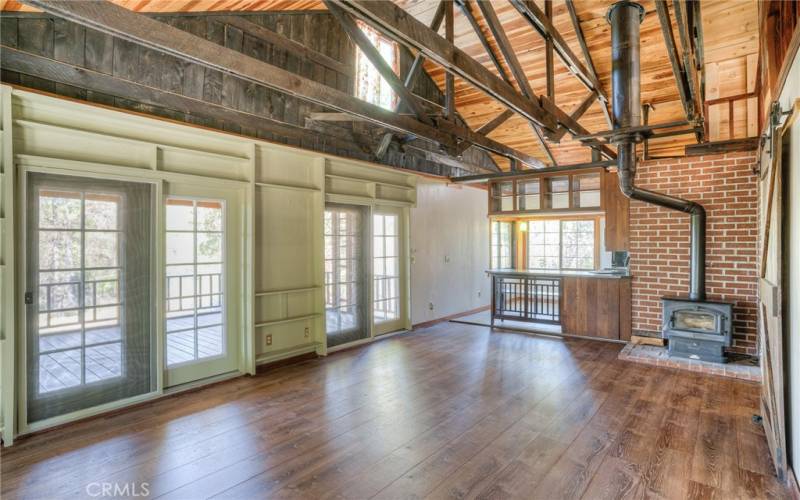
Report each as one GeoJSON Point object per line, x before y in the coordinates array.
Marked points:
{"type": "Point", "coordinates": [449, 250]}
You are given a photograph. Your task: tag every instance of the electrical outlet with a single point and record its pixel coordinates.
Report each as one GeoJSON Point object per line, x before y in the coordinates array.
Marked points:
{"type": "Point", "coordinates": [307, 332]}
{"type": "Point", "coordinates": [269, 339]}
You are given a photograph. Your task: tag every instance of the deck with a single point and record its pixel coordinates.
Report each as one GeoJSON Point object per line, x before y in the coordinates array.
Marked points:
{"type": "Point", "coordinates": [62, 359]}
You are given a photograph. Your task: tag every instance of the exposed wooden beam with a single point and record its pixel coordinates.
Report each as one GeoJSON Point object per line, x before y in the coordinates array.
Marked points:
{"type": "Point", "coordinates": [579, 111]}
{"type": "Point", "coordinates": [495, 122]}
{"type": "Point", "coordinates": [287, 44]}
{"type": "Point", "coordinates": [411, 79]}
{"type": "Point", "coordinates": [403, 27]}
{"type": "Point", "coordinates": [466, 9]}
{"type": "Point", "coordinates": [49, 69]}
{"type": "Point", "coordinates": [687, 51]}
{"type": "Point", "coordinates": [566, 122]}
{"type": "Point", "coordinates": [538, 20]}
{"type": "Point", "coordinates": [678, 71]}
{"type": "Point", "coordinates": [378, 62]}
{"type": "Point", "coordinates": [449, 81]}
{"type": "Point", "coordinates": [123, 23]}
{"type": "Point", "coordinates": [587, 55]}
{"type": "Point", "coordinates": [708, 148]}
{"type": "Point", "coordinates": [499, 34]}
{"type": "Point", "coordinates": [594, 164]}
{"type": "Point", "coordinates": [548, 54]}
{"type": "Point", "coordinates": [483, 142]}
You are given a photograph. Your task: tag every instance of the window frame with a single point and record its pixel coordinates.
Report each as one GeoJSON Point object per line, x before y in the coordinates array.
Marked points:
{"type": "Point", "coordinates": [561, 220]}
{"type": "Point", "coordinates": [398, 276]}
{"type": "Point", "coordinates": [493, 248]}
{"type": "Point", "coordinates": [222, 282]}
{"type": "Point", "coordinates": [394, 64]}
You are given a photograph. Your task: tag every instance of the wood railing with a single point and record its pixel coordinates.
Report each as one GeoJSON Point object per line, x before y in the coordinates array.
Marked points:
{"type": "Point", "coordinates": [729, 103]}
{"type": "Point", "coordinates": [522, 297]}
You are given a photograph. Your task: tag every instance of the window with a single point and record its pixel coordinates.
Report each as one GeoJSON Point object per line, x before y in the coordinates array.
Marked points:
{"type": "Point", "coordinates": [194, 280]}
{"type": "Point", "coordinates": [80, 260]}
{"type": "Point", "coordinates": [544, 244]}
{"type": "Point", "coordinates": [561, 244]}
{"type": "Point", "coordinates": [370, 85]}
{"type": "Point", "coordinates": [577, 244]}
{"type": "Point", "coordinates": [386, 267]}
{"type": "Point", "coordinates": [501, 245]}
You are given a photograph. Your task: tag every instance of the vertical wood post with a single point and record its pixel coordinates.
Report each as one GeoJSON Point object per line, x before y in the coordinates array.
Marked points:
{"type": "Point", "coordinates": [551, 84]}
{"type": "Point", "coordinates": [449, 82]}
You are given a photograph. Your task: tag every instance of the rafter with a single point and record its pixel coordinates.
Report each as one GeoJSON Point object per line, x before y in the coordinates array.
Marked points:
{"type": "Point", "coordinates": [401, 26]}
{"type": "Point", "coordinates": [120, 22]}
{"type": "Point", "coordinates": [587, 55]}
{"type": "Point", "coordinates": [499, 34]}
{"type": "Point", "coordinates": [449, 81]}
{"type": "Point", "coordinates": [378, 62]}
{"type": "Point", "coordinates": [539, 21]}
{"type": "Point", "coordinates": [677, 68]}
{"type": "Point", "coordinates": [411, 78]}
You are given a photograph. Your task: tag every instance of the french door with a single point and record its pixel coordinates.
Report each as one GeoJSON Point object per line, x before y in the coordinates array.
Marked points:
{"type": "Point", "coordinates": [89, 310]}
{"type": "Point", "coordinates": [346, 318]}
{"type": "Point", "coordinates": [387, 273]}
{"type": "Point", "coordinates": [201, 285]}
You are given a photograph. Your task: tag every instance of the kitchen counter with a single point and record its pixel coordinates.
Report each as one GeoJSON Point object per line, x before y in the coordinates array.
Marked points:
{"type": "Point", "coordinates": [585, 303]}
{"type": "Point", "coordinates": [560, 274]}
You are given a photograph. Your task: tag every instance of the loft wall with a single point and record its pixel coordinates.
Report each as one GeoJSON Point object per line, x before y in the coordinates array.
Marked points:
{"type": "Point", "coordinates": [449, 251]}
{"type": "Point", "coordinates": [728, 189]}
{"type": "Point", "coordinates": [54, 55]}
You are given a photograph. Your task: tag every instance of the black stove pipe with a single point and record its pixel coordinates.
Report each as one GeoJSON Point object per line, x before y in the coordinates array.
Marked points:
{"type": "Point", "coordinates": [625, 18]}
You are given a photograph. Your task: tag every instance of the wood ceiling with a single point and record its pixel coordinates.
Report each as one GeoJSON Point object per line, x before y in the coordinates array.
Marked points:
{"type": "Point", "coordinates": [730, 42]}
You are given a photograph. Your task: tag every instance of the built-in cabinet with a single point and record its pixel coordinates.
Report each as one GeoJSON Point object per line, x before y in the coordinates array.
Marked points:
{"type": "Point", "coordinates": [596, 307]}
{"type": "Point", "coordinates": [547, 193]}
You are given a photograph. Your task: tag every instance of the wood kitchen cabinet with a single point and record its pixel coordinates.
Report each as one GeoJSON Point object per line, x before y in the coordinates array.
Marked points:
{"type": "Point", "coordinates": [596, 307]}
{"type": "Point", "coordinates": [617, 208]}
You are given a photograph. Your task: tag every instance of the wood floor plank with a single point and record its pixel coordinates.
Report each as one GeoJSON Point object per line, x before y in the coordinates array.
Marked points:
{"type": "Point", "coordinates": [448, 411]}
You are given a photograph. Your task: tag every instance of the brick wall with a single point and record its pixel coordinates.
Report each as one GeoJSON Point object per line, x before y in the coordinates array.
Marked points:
{"type": "Point", "coordinates": [726, 186]}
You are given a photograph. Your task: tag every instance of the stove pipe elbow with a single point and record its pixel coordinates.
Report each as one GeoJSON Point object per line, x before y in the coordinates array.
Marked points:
{"type": "Point", "coordinates": [625, 18]}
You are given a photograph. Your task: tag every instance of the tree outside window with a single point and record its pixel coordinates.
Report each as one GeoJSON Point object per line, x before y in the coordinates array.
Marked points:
{"type": "Point", "coordinates": [370, 85]}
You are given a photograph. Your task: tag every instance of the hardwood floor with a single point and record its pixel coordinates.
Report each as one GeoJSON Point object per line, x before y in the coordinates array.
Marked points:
{"type": "Point", "coordinates": [448, 411]}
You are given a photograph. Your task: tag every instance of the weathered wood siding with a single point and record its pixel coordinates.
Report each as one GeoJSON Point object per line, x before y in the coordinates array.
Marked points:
{"type": "Point", "coordinates": [139, 77]}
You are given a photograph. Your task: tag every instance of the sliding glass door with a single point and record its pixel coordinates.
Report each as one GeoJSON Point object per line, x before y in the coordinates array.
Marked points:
{"type": "Point", "coordinates": [89, 318]}
{"type": "Point", "coordinates": [345, 274]}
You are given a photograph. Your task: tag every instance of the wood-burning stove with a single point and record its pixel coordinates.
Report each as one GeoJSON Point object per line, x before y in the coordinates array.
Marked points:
{"type": "Point", "coordinates": [697, 329]}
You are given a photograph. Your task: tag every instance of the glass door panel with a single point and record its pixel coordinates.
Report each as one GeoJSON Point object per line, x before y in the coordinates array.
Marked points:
{"type": "Point", "coordinates": [200, 341]}
{"type": "Point", "coordinates": [386, 262]}
{"type": "Point", "coordinates": [344, 274]}
{"type": "Point", "coordinates": [195, 325]}
{"type": "Point", "coordinates": [89, 309]}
